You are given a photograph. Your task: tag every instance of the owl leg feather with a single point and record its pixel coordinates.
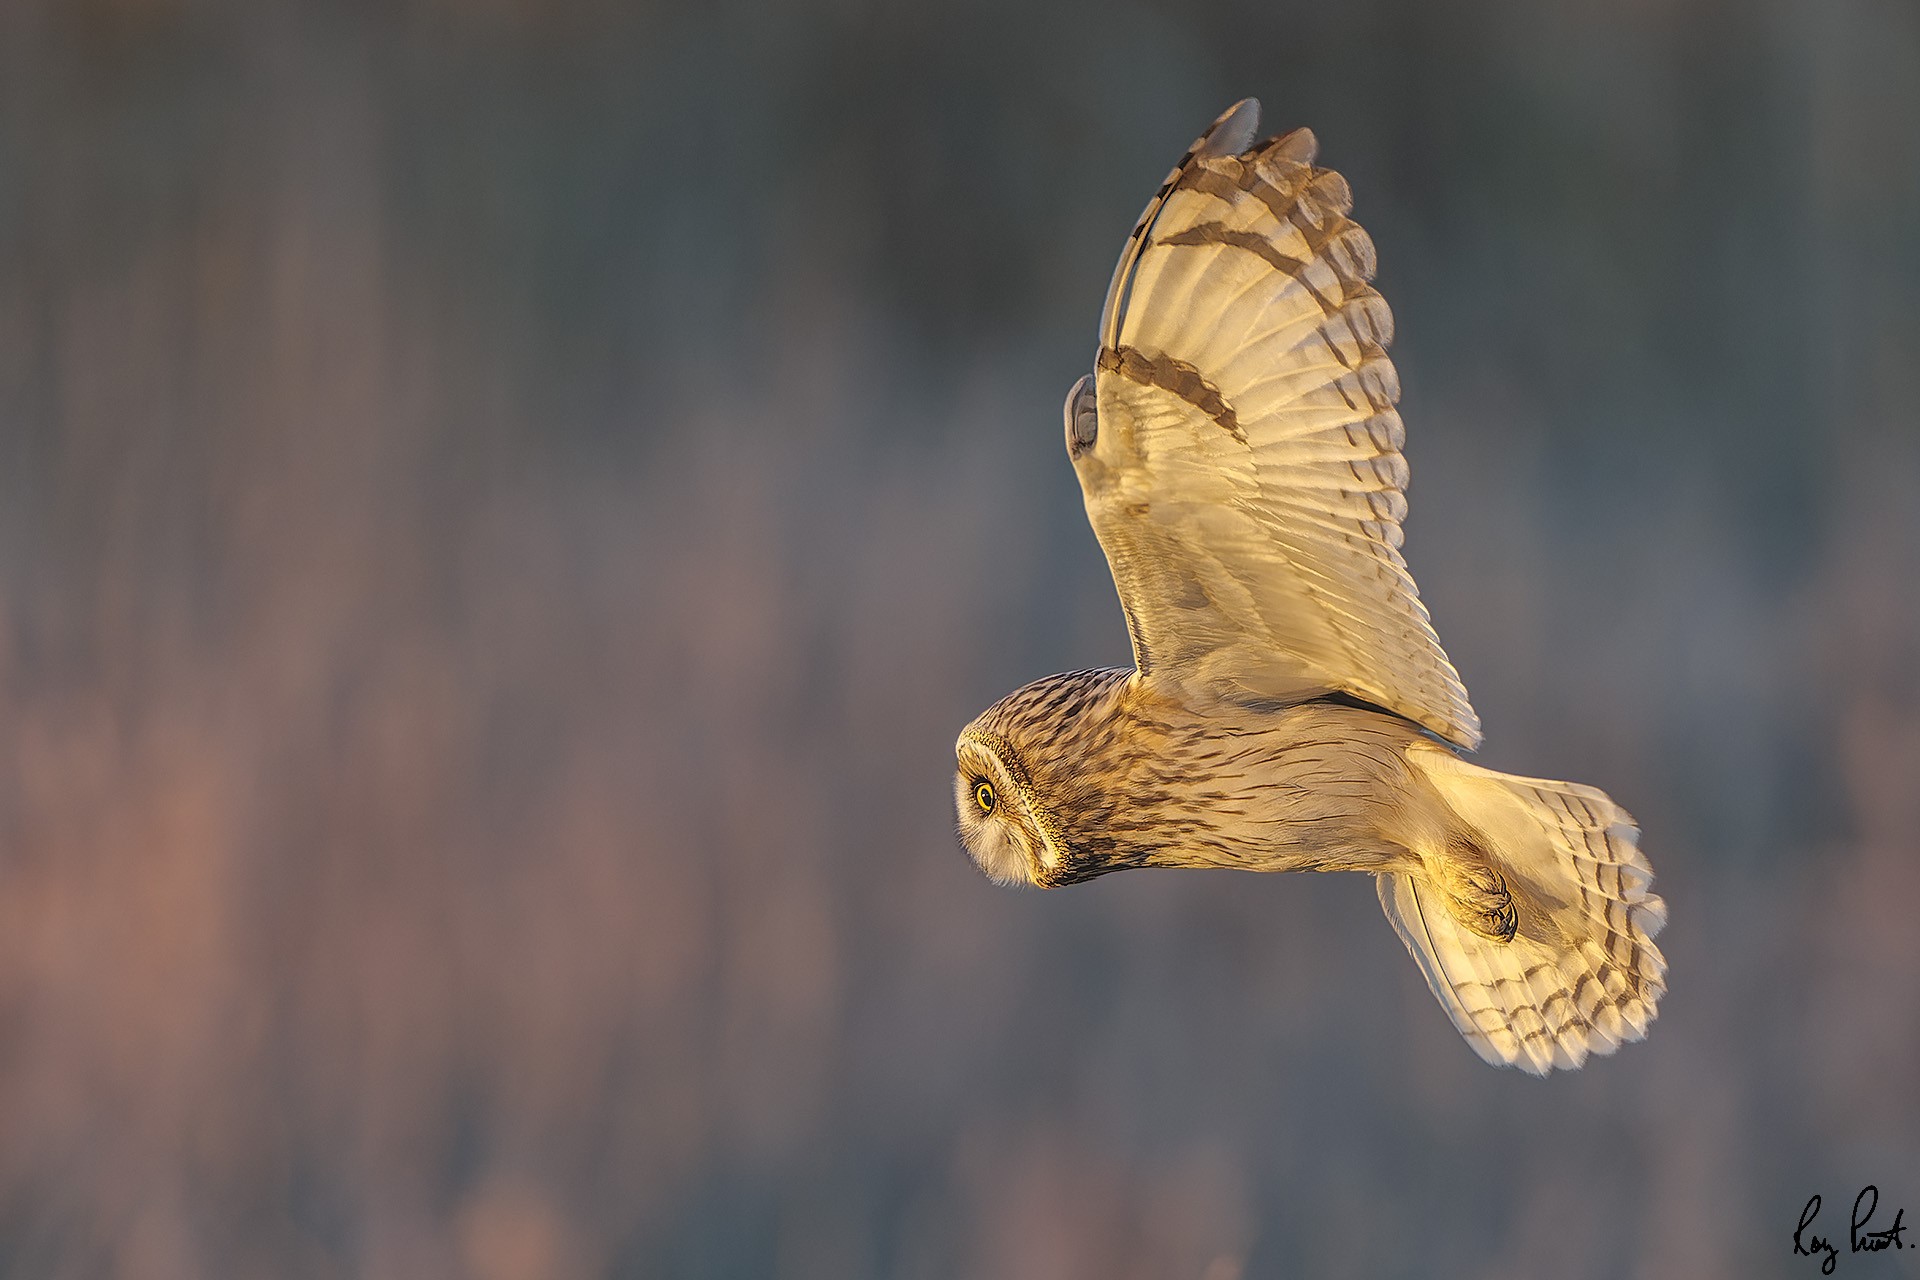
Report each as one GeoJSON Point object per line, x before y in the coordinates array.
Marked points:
{"type": "Point", "coordinates": [1478, 894]}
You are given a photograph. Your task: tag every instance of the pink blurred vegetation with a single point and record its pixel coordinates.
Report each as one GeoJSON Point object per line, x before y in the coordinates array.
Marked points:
{"type": "Point", "coordinates": [433, 850]}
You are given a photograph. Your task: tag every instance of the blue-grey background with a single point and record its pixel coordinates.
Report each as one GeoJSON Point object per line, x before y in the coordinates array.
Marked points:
{"type": "Point", "coordinates": [505, 504]}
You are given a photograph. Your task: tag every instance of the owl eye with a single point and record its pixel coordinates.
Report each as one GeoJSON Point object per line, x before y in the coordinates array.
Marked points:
{"type": "Point", "coordinates": [983, 796]}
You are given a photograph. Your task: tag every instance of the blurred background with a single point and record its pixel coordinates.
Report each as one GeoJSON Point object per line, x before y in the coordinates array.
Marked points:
{"type": "Point", "coordinates": [504, 507]}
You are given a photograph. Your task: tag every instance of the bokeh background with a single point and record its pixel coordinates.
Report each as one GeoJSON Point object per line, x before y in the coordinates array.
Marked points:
{"type": "Point", "coordinates": [505, 504]}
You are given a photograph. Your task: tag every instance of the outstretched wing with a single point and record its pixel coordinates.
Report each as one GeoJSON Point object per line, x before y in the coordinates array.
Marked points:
{"type": "Point", "coordinates": [1238, 446]}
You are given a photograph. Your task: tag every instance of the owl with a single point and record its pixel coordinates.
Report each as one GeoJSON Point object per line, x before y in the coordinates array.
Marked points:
{"type": "Point", "coordinates": [1289, 707]}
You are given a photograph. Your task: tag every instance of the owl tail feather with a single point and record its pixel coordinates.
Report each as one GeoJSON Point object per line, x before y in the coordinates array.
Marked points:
{"type": "Point", "coordinates": [1534, 926]}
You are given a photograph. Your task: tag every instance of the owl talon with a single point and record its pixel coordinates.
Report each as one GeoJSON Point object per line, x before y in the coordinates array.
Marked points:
{"type": "Point", "coordinates": [1483, 903]}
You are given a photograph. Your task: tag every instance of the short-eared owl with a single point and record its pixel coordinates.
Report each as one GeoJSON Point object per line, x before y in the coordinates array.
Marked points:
{"type": "Point", "coordinates": [1291, 708]}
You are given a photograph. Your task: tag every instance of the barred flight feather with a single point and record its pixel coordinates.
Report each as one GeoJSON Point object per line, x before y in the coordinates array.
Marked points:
{"type": "Point", "coordinates": [1248, 442]}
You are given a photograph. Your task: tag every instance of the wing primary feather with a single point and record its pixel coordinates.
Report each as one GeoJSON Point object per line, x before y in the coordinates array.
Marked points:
{"type": "Point", "coordinates": [1230, 134]}
{"type": "Point", "coordinates": [1244, 446]}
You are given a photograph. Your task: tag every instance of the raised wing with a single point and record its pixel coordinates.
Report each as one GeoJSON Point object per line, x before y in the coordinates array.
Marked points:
{"type": "Point", "coordinates": [1238, 446]}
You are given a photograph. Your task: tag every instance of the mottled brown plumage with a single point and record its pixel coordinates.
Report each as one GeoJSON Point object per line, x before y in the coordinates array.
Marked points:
{"type": "Point", "coordinates": [1131, 777]}
{"type": "Point", "coordinates": [1291, 708]}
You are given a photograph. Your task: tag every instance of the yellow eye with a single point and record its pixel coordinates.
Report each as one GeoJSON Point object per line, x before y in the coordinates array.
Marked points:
{"type": "Point", "coordinates": [983, 796]}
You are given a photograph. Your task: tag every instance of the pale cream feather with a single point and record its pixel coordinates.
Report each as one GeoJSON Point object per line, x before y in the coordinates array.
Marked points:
{"type": "Point", "coordinates": [1246, 480]}
{"type": "Point", "coordinates": [1582, 975]}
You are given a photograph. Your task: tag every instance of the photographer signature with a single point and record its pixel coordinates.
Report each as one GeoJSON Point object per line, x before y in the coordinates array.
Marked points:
{"type": "Point", "coordinates": [1808, 1245]}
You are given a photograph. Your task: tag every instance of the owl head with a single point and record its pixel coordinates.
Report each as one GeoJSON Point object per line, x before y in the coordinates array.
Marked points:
{"type": "Point", "coordinates": [1001, 826]}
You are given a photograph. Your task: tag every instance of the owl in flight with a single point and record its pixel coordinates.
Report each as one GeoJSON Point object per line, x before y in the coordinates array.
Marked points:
{"type": "Point", "coordinates": [1290, 708]}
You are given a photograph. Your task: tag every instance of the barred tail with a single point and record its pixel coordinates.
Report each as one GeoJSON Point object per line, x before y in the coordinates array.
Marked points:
{"type": "Point", "coordinates": [1534, 927]}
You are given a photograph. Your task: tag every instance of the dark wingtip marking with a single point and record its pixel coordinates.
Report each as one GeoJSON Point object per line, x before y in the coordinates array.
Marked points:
{"type": "Point", "coordinates": [1233, 132]}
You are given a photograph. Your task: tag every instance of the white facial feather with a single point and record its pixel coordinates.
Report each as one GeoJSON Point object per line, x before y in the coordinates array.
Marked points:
{"type": "Point", "coordinates": [1002, 842]}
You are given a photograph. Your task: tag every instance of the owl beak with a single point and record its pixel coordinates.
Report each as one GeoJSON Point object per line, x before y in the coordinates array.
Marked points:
{"type": "Point", "coordinates": [1052, 865]}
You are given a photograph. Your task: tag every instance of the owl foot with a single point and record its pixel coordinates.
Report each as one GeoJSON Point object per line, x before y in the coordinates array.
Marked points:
{"type": "Point", "coordinates": [1481, 900]}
